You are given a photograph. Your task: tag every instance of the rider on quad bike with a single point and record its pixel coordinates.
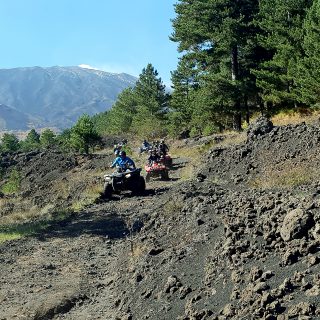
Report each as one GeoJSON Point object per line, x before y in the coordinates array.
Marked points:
{"type": "Point", "coordinates": [155, 167]}
{"type": "Point", "coordinates": [153, 157]}
{"type": "Point", "coordinates": [163, 149]}
{"type": "Point", "coordinates": [123, 161]}
{"type": "Point", "coordinates": [146, 146]}
{"type": "Point", "coordinates": [127, 177]}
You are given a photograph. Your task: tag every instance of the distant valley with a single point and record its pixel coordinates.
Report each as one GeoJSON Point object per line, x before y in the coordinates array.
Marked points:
{"type": "Point", "coordinates": [56, 96]}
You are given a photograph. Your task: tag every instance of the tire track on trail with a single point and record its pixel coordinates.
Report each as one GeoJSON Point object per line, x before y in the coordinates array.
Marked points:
{"type": "Point", "coordinates": [68, 271]}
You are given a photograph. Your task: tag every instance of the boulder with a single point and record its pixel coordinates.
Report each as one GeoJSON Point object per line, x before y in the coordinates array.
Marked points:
{"type": "Point", "coordinates": [260, 127]}
{"type": "Point", "coordinates": [316, 232]}
{"type": "Point", "coordinates": [296, 224]}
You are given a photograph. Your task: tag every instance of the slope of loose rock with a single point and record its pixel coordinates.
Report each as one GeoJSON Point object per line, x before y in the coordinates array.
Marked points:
{"type": "Point", "coordinates": [231, 243]}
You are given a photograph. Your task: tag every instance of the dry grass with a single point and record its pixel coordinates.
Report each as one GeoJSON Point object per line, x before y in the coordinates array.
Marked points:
{"type": "Point", "coordinates": [61, 188]}
{"type": "Point", "coordinates": [21, 224]}
{"type": "Point", "coordinates": [287, 177]}
{"type": "Point", "coordinates": [232, 138]}
{"type": "Point", "coordinates": [22, 215]}
{"type": "Point", "coordinates": [4, 203]}
{"type": "Point", "coordinates": [18, 230]}
{"type": "Point", "coordinates": [84, 186]}
{"type": "Point", "coordinates": [296, 116]}
{"type": "Point", "coordinates": [193, 154]}
{"type": "Point", "coordinates": [91, 192]}
{"type": "Point", "coordinates": [172, 206]}
{"type": "Point", "coordinates": [193, 157]}
{"type": "Point", "coordinates": [138, 250]}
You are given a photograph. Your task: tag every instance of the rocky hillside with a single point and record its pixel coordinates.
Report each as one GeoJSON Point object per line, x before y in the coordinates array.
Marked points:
{"type": "Point", "coordinates": [56, 96]}
{"type": "Point", "coordinates": [239, 240]}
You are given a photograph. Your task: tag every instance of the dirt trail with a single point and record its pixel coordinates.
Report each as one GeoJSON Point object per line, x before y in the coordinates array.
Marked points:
{"type": "Point", "coordinates": [238, 241]}
{"type": "Point", "coordinates": [72, 262]}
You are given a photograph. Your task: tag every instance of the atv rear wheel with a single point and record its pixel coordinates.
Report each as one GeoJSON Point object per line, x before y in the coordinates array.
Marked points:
{"type": "Point", "coordinates": [107, 190]}
{"type": "Point", "coordinates": [165, 175]}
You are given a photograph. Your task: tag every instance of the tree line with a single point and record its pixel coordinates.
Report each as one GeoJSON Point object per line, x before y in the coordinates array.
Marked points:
{"type": "Point", "coordinates": [237, 57]}
{"type": "Point", "coordinates": [80, 138]}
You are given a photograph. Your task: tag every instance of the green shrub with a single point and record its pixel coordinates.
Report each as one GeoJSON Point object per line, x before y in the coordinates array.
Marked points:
{"type": "Point", "coordinates": [13, 183]}
{"type": "Point", "coordinates": [194, 132]}
{"type": "Point", "coordinates": [208, 130]}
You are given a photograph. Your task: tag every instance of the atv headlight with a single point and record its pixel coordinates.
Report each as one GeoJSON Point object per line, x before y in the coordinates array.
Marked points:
{"type": "Point", "coordinates": [107, 178]}
{"type": "Point", "coordinates": [128, 175]}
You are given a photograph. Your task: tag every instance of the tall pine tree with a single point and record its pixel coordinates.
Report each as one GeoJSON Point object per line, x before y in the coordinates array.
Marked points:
{"type": "Point", "coordinates": [141, 109]}
{"type": "Point", "coordinates": [119, 119]}
{"type": "Point", "coordinates": [308, 75]}
{"type": "Point", "coordinates": [218, 35]}
{"type": "Point", "coordinates": [184, 84]}
{"type": "Point", "coordinates": [150, 91]}
{"type": "Point", "coordinates": [281, 23]}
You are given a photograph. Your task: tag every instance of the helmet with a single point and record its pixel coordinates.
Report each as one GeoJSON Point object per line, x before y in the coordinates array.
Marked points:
{"type": "Point", "coordinates": [122, 153]}
{"type": "Point", "coordinates": [117, 152]}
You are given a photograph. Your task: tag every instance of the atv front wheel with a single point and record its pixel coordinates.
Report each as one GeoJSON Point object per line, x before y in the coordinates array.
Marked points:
{"type": "Point", "coordinates": [165, 175]}
{"type": "Point", "coordinates": [107, 190]}
{"type": "Point", "coordinates": [142, 185]}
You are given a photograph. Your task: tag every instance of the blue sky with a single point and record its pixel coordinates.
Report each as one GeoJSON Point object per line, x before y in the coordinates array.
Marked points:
{"type": "Point", "coordinates": [111, 35]}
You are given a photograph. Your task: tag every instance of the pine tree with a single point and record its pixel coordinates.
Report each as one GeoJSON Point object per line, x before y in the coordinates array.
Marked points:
{"type": "Point", "coordinates": [308, 75]}
{"type": "Point", "coordinates": [33, 137]}
{"type": "Point", "coordinates": [184, 85]}
{"type": "Point", "coordinates": [281, 22]}
{"type": "Point", "coordinates": [83, 135]}
{"type": "Point", "coordinates": [47, 138]}
{"type": "Point", "coordinates": [150, 91]}
{"type": "Point", "coordinates": [32, 141]}
{"type": "Point", "coordinates": [9, 143]}
{"type": "Point", "coordinates": [218, 36]}
{"type": "Point", "coordinates": [119, 118]}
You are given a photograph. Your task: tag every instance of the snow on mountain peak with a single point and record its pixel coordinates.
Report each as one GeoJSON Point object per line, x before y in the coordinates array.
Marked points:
{"type": "Point", "coordinates": [86, 66]}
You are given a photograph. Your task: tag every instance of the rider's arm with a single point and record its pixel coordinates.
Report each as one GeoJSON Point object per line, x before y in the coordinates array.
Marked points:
{"type": "Point", "coordinates": [131, 163]}
{"type": "Point", "coordinates": [115, 162]}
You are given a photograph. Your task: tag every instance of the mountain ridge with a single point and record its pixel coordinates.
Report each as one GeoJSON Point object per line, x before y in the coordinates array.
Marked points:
{"type": "Point", "coordinates": [57, 96]}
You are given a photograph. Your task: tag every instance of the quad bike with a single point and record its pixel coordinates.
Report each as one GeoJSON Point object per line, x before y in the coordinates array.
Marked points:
{"type": "Point", "coordinates": [122, 180]}
{"type": "Point", "coordinates": [156, 169]}
{"type": "Point", "coordinates": [166, 160]}
{"type": "Point", "coordinates": [144, 149]}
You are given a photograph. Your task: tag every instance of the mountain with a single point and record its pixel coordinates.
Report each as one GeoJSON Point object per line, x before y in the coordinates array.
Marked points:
{"type": "Point", "coordinates": [56, 96]}
{"type": "Point", "coordinates": [12, 119]}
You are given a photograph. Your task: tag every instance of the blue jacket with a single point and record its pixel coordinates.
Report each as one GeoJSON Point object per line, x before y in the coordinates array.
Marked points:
{"type": "Point", "coordinates": [123, 163]}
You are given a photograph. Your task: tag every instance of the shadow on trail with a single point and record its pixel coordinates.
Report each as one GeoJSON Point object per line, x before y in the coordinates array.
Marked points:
{"type": "Point", "coordinates": [100, 223]}
{"type": "Point", "coordinates": [176, 167]}
{"type": "Point", "coordinates": [109, 225]}
{"type": "Point", "coordinates": [150, 192]}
